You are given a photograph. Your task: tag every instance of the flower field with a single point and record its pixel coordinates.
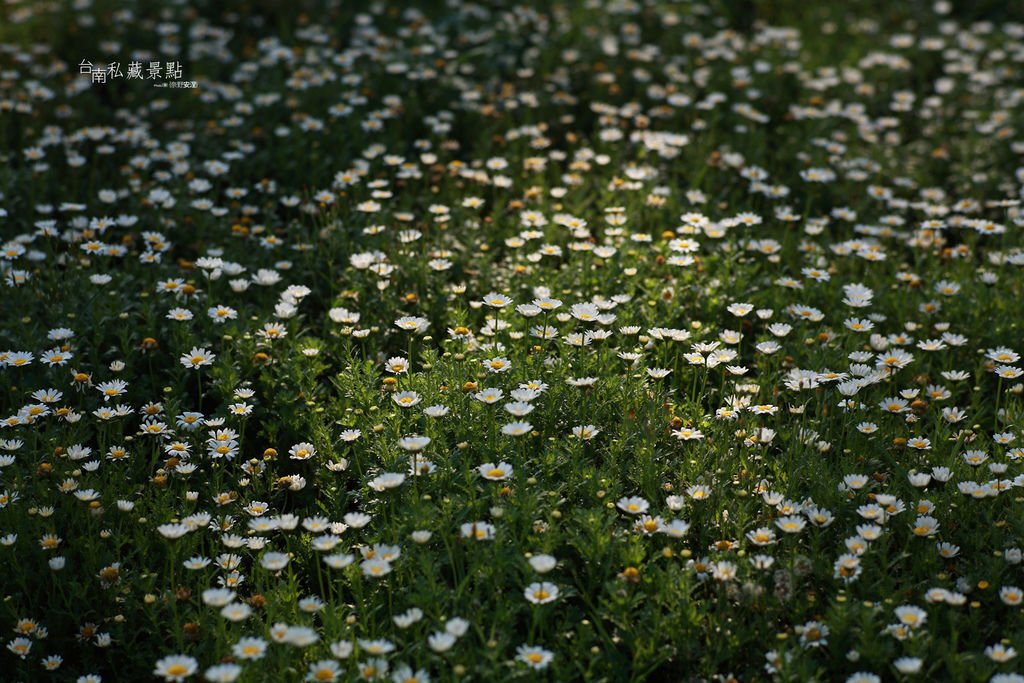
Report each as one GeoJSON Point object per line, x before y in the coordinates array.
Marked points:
{"type": "Point", "coordinates": [588, 340]}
